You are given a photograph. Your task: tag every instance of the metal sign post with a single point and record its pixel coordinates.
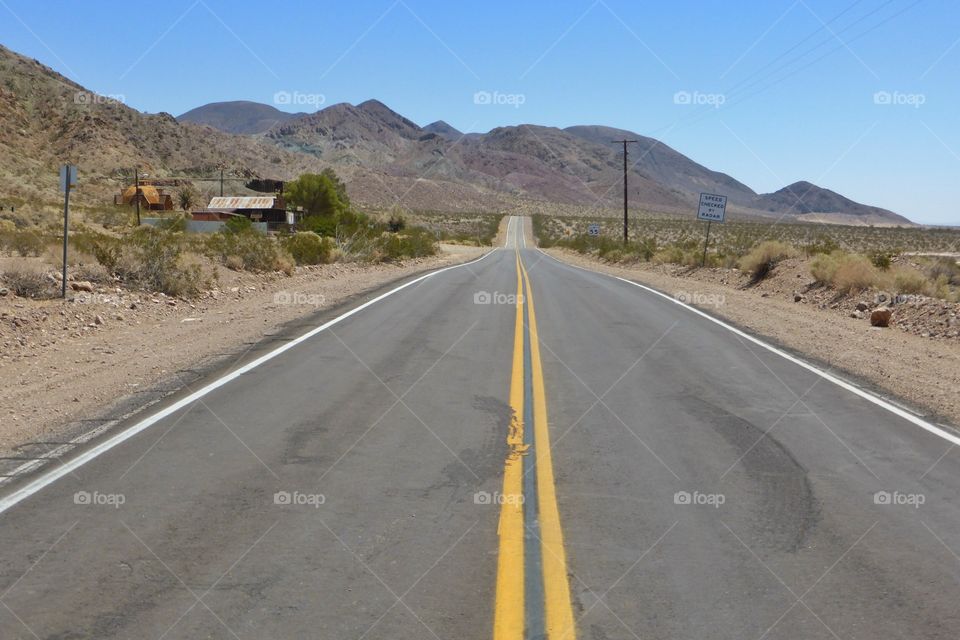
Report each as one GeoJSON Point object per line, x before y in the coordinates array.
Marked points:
{"type": "Point", "coordinates": [68, 180]}
{"type": "Point", "coordinates": [713, 208]}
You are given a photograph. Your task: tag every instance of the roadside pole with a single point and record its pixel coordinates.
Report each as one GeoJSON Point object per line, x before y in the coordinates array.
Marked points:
{"type": "Point", "coordinates": [625, 197]}
{"type": "Point", "coordinates": [703, 261]}
{"type": "Point", "coordinates": [136, 191]}
{"type": "Point", "coordinates": [713, 208]}
{"type": "Point", "coordinates": [68, 180]}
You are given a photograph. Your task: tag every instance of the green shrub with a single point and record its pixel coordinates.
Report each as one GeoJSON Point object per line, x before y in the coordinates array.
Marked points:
{"type": "Point", "coordinates": [414, 243]}
{"type": "Point", "coordinates": [306, 247]}
{"type": "Point", "coordinates": [238, 224]}
{"type": "Point", "coordinates": [154, 259]}
{"type": "Point", "coordinates": [881, 259]}
{"type": "Point", "coordinates": [249, 251]}
{"type": "Point", "coordinates": [320, 225]}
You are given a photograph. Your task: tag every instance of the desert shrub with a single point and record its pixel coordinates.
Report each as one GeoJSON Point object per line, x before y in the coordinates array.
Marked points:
{"type": "Point", "coordinates": [154, 259]}
{"type": "Point", "coordinates": [23, 242]}
{"type": "Point", "coordinates": [881, 259]}
{"type": "Point", "coordinates": [822, 244]}
{"type": "Point", "coordinates": [248, 251]}
{"type": "Point", "coordinates": [320, 225]}
{"type": "Point", "coordinates": [761, 260]}
{"type": "Point", "coordinates": [105, 249]}
{"type": "Point", "coordinates": [910, 281]}
{"type": "Point", "coordinates": [855, 273]}
{"type": "Point", "coordinates": [947, 268]}
{"type": "Point", "coordinates": [669, 255]}
{"type": "Point", "coordinates": [27, 280]}
{"type": "Point", "coordinates": [615, 255]}
{"type": "Point", "coordinates": [396, 223]}
{"type": "Point", "coordinates": [540, 233]}
{"type": "Point", "coordinates": [238, 224]}
{"type": "Point", "coordinates": [845, 272]}
{"type": "Point", "coordinates": [646, 248]}
{"type": "Point", "coordinates": [413, 243]}
{"type": "Point", "coordinates": [307, 247]}
{"type": "Point", "coordinates": [82, 265]}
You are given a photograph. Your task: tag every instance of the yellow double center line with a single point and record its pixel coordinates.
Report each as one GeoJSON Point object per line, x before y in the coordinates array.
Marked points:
{"type": "Point", "coordinates": [513, 608]}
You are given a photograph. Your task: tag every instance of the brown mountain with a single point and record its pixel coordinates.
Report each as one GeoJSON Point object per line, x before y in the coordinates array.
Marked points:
{"type": "Point", "coordinates": [806, 200]}
{"type": "Point", "coordinates": [239, 116]}
{"type": "Point", "coordinates": [47, 120]}
{"type": "Point", "coordinates": [385, 158]}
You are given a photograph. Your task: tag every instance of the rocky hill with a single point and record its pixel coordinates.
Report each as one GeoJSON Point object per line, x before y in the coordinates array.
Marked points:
{"type": "Point", "coordinates": [47, 120]}
{"type": "Point", "coordinates": [386, 159]}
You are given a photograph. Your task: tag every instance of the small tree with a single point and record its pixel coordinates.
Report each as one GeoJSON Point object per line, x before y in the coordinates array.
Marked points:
{"type": "Point", "coordinates": [317, 193]}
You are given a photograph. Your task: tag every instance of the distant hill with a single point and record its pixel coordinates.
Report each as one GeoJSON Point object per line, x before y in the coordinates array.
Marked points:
{"type": "Point", "coordinates": [385, 158]}
{"type": "Point", "coordinates": [47, 120]}
{"type": "Point", "coordinates": [802, 198]}
{"type": "Point", "coordinates": [239, 116]}
{"type": "Point", "coordinates": [443, 129]}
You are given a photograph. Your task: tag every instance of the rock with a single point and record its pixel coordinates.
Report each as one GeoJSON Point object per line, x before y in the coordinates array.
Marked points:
{"type": "Point", "coordinates": [862, 306]}
{"type": "Point", "coordinates": [97, 320]}
{"type": "Point", "coordinates": [133, 305]}
{"type": "Point", "coordinates": [82, 286]}
{"type": "Point", "coordinates": [880, 317]}
{"type": "Point", "coordinates": [764, 295]}
{"type": "Point", "coordinates": [4, 292]}
{"type": "Point", "coordinates": [859, 315]}
{"type": "Point", "coordinates": [797, 297]}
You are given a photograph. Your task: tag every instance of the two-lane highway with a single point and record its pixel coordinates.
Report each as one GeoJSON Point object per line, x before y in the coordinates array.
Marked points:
{"type": "Point", "coordinates": [512, 448]}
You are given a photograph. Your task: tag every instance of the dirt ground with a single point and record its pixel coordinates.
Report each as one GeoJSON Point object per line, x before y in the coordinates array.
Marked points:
{"type": "Point", "coordinates": [65, 363]}
{"type": "Point", "coordinates": [916, 359]}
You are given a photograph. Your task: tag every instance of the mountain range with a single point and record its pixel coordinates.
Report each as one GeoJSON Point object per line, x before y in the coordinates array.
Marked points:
{"type": "Point", "coordinates": [385, 158]}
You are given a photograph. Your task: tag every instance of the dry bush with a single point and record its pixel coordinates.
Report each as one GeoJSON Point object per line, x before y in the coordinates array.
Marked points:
{"type": "Point", "coordinates": [249, 250]}
{"type": "Point", "coordinates": [761, 260]}
{"type": "Point", "coordinates": [845, 272]}
{"type": "Point", "coordinates": [910, 281]}
{"type": "Point", "coordinates": [27, 279]}
{"type": "Point", "coordinates": [855, 273]}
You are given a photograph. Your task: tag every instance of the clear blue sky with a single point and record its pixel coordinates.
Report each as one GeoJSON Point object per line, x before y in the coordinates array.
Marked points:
{"type": "Point", "coordinates": [614, 62]}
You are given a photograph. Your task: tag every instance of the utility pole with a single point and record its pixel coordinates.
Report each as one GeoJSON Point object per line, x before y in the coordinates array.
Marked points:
{"type": "Point", "coordinates": [625, 199]}
{"type": "Point", "coordinates": [221, 182]}
{"type": "Point", "coordinates": [136, 194]}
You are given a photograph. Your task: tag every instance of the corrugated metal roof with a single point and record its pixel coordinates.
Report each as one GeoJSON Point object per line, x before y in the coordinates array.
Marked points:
{"type": "Point", "coordinates": [251, 202]}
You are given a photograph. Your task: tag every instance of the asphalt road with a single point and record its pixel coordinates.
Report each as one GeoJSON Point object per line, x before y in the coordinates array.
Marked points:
{"type": "Point", "coordinates": [446, 461]}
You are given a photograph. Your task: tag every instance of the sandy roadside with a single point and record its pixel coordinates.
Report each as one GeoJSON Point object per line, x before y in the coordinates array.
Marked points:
{"type": "Point", "coordinates": [922, 372]}
{"type": "Point", "coordinates": [65, 365]}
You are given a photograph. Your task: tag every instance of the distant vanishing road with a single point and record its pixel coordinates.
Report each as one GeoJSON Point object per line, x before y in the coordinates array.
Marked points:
{"type": "Point", "coordinates": [511, 448]}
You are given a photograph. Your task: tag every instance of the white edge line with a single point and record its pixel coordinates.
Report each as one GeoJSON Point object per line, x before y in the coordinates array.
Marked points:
{"type": "Point", "coordinates": [53, 475]}
{"type": "Point", "coordinates": [880, 402]}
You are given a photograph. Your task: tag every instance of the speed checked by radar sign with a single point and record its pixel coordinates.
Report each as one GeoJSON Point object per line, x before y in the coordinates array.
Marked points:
{"type": "Point", "coordinates": [712, 207]}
